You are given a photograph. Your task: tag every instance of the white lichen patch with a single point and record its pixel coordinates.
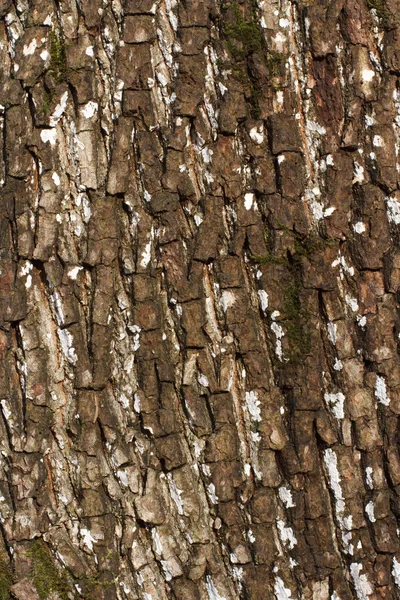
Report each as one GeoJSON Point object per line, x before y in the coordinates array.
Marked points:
{"type": "Point", "coordinates": [368, 477]}
{"type": "Point", "coordinates": [378, 141]}
{"type": "Point", "coordinates": [279, 333]}
{"type": "Point", "coordinates": [30, 48]}
{"type": "Point", "coordinates": [5, 408]}
{"type": "Point", "coordinates": [361, 583]}
{"type": "Point", "coordinates": [329, 211]}
{"type": "Point", "coordinates": [203, 381]}
{"type": "Point", "coordinates": [332, 332]}
{"type": "Point", "coordinates": [361, 320]}
{"type": "Point", "coordinates": [330, 460]}
{"type": "Point", "coordinates": [56, 179]}
{"type": "Point", "coordinates": [212, 590]}
{"type": "Point", "coordinates": [380, 391]}
{"type": "Point", "coordinates": [358, 173]}
{"type": "Point", "coordinates": [222, 88]}
{"type": "Point", "coordinates": [67, 345]}
{"type": "Point", "coordinates": [135, 329]}
{"type": "Point", "coordinates": [345, 523]}
{"type": "Point", "coordinates": [90, 109]}
{"type": "Point", "coordinates": [25, 270]}
{"type": "Point", "coordinates": [248, 200]}
{"type": "Point", "coordinates": [206, 470]}
{"type": "Point", "coordinates": [250, 536]}
{"type": "Point", "coordinates": [286, 535]}
{"type": "Point", "coordinates": [335, 403]}
{"type": "Point", "coordinates": [157, 541]}
{"type": "Point", "coordinates": [123, 477]}
{"type": "Point", "coordinates": [344, 267]}
{"type": "Point", "coordinates": [338, 365]}
{"type": "Point", "coordinates": [211, 493]}
{"type": "Point", "coordinates": [367, 75]}
{"type": "Point", "coordinates": [279, 41]}
{"type": "Point", "coordinates": [317, 209]}
{"type": "Point", "coordinates": [198, 219]}
{"type": "Point", "coordinates": [136, 404]}
{"type": "Point", "coordinates": [315, 127]}
{"type": "Point", "coordinates": [359, 227]}
{"type": "Point", "coordinates": [393, 210]}
{"type": "Point", "coordinates": [369, 509]}
{"type": "Point", "coordinates": [257, 134]}
{"type": "Point", "coordinates": [253, 405]}
{"type": "Point", "coordinates": [263, 297]}
{"type": "Point", "coordinates": [351, 302]}
{"type": "Point", "coordinates": [59, 110]}
{"type": "Point", "coordinates": [227, 300]}
{"type": "Point", "coordinates": [73, 272]}
{"type": "Point", "coordinates": [396, 572]}
{"type": "Point", "coordinates": [87, 539]}
{"type": "Point", "coordinates": [146, 256]}
{"type": "Point", "coordinates": [49, 135]}
{"type": "Point", "coordinates": [281, 592]}
{"type": "Point", "coordinates": [175, 493]}
{"type": "Point", "coordinates": [286, 497]}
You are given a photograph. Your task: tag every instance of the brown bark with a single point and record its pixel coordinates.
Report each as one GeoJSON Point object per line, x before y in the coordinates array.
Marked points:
{"type": "Point", "coordinates": [200, 379]}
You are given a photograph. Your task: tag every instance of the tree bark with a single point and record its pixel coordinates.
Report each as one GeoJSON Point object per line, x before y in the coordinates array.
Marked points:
{"type": "Point", "coordinates": [200, 271]}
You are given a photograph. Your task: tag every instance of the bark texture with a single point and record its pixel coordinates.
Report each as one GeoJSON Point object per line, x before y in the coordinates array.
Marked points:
{"type": "Point", "coordinates": [200, 271]}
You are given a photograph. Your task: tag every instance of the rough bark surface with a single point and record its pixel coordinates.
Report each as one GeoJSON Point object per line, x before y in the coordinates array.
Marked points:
{"type": "Point", "coordinates": [200, 272]}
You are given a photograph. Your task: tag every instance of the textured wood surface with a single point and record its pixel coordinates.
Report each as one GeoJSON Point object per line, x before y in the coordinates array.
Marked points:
{"type": "Point", "coordinates": [199, 287]}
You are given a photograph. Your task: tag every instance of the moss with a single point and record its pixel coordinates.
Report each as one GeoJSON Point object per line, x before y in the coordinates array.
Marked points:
{"type": "Point", "coordinates": [243, 37]}
{"type": "Point", "coordinates": [381, 11]}
{"type": "Point", "coordinates": [45, 575]}
{"type": "Point", "coordinates": [275, 62]}
{"type": "Point", "coordinates": [92, 585]}
{"type": "Point", "coordinates": [6, 577]}
{"type": "Point", "coordinates": [269, 258]}
{"type": "Point", "coordinates": [296, 316]}
{"type": "Point", "coordinates": [58, 57]}
{"type": "Point", "coordinates": [303, 246]}
{"type": "Point", "coordinates": [308, 245]}
{"type": "Point", "coordinates": [297, 321]}
{"type": "Point", "coordinates": [48, 99]}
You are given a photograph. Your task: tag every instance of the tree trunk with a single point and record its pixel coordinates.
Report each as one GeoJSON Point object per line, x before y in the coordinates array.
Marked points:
{"type": "Point", "coordinates": [200, 377]}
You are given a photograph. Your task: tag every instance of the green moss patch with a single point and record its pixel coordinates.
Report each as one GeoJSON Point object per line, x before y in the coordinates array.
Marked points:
{"type": "Point", "coordinates": [45, 575]}
{"type": "Point", "coordinates": [58, 57]}
{"type": "Point", "coordinates": [6, 577]}
{"type": "Point", "coordinates": [243, 37]}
